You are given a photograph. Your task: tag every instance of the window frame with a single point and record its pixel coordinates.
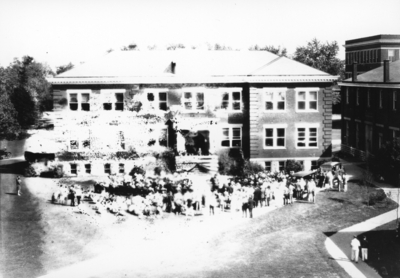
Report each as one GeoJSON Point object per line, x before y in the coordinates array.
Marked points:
{"type": "Point", "coordinates": [268, 167]}
{"type": "Point", "coordinates": [74, 171]}
{"type": "Point", "coordinates": [230, 136]}
{"type": "Point", "coordinates": [107, 170]}
{"type": "Point", "coordinates": [275, 136]}
{"type": "Point", "coordinates": [79, 99]}
{"type": "Point", "coordinates": [155, 104]}
{"type": "Point", "coordinates": [279, 165]}
{"type": "Point", "coordinates": [113, 104]}
{"type": "Point", "coordinates": [307, 135]}
{"type": "Point", "coordinates": [275, 92]}
{"type": "Point", "coordinates": [193, 100]}
{"type": "Point", "coordinates": [307, 100]}
{"type": "Point", "coordinates": [88, 170]}
{"type": "Point", "coordinates": [231, 102]}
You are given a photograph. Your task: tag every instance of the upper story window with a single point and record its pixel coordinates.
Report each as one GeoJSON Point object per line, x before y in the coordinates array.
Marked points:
{"type": "Point", "coordinates": [347, 95]}
{"type": "Point", "coordinates": [274, 136]}
{"type": "Point", "coordinates": [380, 99]}
{"type": "Point", "coordinates": [193, 101]}
{"type": "Point", "coordinates": [158, 99]}
{"type": "Point", "coordinates": [368, 98]}
{"type": "Point", "coordinates": [107, 168]}
{"type": "Point", "coordinates": [274, 100]}
{"type": "Point", "coordinates": [231, 101]}
{"type": "Point", "coordinates": [394, 100]}
{"type": "Point", "coordinates": [79, 101]}
{"type": "Point", "coordinates": [307, 100]}
{"type": "Point", "coordinates": [232, 137]}
{"type": "Point", "coordinates": [121, 168]}
{"type": "Point", "coordinates": [391, 55]}
{"type": "Point", "coordinates": [307, 136]}
{"type": "Point", "coordinates": [358, 97]}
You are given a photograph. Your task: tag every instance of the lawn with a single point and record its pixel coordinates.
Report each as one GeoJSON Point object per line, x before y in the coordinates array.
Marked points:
{"type": "Point", "coordinates": [286, 242]}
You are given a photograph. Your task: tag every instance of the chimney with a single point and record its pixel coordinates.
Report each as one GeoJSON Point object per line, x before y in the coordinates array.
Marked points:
{"type": "Point", "coordinates": [386, 75]}
{"type": "Point", "coordinates": [173, 67]}
{"type": "Point", "coordinates": [354, 77]}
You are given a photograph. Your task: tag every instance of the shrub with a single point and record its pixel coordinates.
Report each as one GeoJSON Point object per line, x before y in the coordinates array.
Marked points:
{"type": "Point", "coordinates": [251, 168]}
{"type": "Point", "coordinates": [30, 171]}
{"type": "Point", "coordinates": [293, 165]}
{"type": "Point", "coordinates": [377, 196]}
{"type": "Point", "coordinates": [230, 163]}
{"type": "Point", "coordinates": [137, 170]}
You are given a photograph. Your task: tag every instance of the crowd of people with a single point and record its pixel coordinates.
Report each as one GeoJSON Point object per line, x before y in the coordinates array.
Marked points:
{"type": "Point", "coordinates": [154, 195]}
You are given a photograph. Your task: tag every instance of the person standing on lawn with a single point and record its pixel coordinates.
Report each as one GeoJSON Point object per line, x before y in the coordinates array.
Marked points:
{"type": "Point", "coordinates": [364, 248]}
{"type": "Point", "coordinates": [18, 183]}
{"type": "Point", "coordinates": [355, 247]}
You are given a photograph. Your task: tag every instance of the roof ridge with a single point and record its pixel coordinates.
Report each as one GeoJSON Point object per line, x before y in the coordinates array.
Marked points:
{"type": "Point", "coordinates": [266, 65]}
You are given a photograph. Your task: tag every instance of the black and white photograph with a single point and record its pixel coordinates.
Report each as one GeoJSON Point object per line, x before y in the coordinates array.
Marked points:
{"type": "Point", "coordinates": [199, 139]}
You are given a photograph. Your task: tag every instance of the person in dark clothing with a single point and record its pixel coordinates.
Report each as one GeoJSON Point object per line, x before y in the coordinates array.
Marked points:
{"type": "Point", "coordinates": [250, 205]}
{"type": "Point", "coordinates": [364, 248]}
{"type": "Point", "coordinates": [257, 196]}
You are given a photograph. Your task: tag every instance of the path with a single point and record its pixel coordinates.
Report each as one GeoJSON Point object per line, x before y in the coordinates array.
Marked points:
{"type": "Point", "coordinates": [341, 240]}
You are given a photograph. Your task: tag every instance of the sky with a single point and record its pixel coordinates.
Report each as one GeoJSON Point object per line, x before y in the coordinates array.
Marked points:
{"type": "Point", "coordinates": [58, 32]}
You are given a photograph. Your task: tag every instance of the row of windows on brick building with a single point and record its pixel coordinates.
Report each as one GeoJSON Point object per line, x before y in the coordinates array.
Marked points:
{"type": "Point", "coordinates": [370, 95]}
{"type": "Point", "coordinates": [368, 56]}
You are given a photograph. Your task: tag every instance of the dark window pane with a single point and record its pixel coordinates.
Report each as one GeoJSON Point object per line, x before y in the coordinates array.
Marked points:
{"type": "Point", "coordinates": [163, 106]}
{"type": "Point", "coordinates": [86, 144]}
{"type": "Point", "coordinates": [119, 97]}
{"type": "Point", "coordinates": [225, 143]}
{"type": "Point", "coordinates": [281, 142]}
{"type": "Point", "coordinates": [236, 106]}
{"type": "Point", "coordinates": [301, 105]}
{"type": "Point", "coordinates": [188, 95]}
{"type": "Point", "coordinates": [119, 106]}
{"type": "Point", "coordinates": [85, 107]}
{"type": "Point", "coordinates": [74, 168]}
{"type": "Point", "coordinates": [200, 105]}
{"type": "Point", "coordinates": [269, 142]}
{"type": "Point", "coordinates": [269, 105]}
{"type": "Point", "coordinates": [269, 132]}
{"type": "Point", "coordinates": [313, 144]}
{"type": "Point", "coordinates": [236, 96]}
{"type": "Point", "coordinates": [162, 96]}
{"type": "Point", "coordinates": [107, 106]}
{"type": "Point", "coordinates": [121, 168]}
{"type": "Point", "coordinates": [225, 105]}
{"type": "Point", "coordinates": [236, 132]}
{"type": "Point", "coordinates": [188, 105]}
{"type": "Point", "coordinates": [281, 132]}
{"type": "Point", "coordinates": [301, 144]}
{"type": "Point", "coordinates": [73, 106]}
{"type": "Point", "coordinates": [74, 144]}
{"type": "Point", "coordinates": [150, 96]}
{"type": "Point", "coordinates": [225, 97]}
{"type": "Point", "coordinates": [281, 105]}
{"type": "Point", "coordinates": [236, 143]}
{"type": "Point", "coordinates": [88, 168]}
{"type": "Point", "coordinates": [313, 105]}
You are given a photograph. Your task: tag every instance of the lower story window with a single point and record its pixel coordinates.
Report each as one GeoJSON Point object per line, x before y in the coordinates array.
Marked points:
{"type": "Point", "coordinates": [314, 164]}
{"type": "Point", "coordinates": [231, 137]}
{"type": "Point", "coordinates": [88, 168]}
{"type": "Point", "coordinates": [74, 169]}
{"type": "Point", "coordinates": [107, 168]}
{"type": "Point", "coordinates": [121, 168]}
{"type": "Point", "coordinates": [274, 137]}
{"type": "Point", "coordinates": [281, 166]}
{"type": "Point", "coordinates": [267, 165]}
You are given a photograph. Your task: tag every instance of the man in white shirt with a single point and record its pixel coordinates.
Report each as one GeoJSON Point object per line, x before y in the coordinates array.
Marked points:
{"type": "Point", "coordinates": [355, 247]}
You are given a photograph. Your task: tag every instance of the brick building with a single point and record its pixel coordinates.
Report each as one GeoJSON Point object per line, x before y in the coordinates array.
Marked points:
{"type": "Point", "coordinates": [370, 109]}
{"type": "Point", "coordinates": [271, 107]}
{"type": "Point", "coordinates": [369, 52]}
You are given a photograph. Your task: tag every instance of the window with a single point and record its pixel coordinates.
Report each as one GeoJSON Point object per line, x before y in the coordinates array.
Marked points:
{"type": "Point", "coordinates": [373, 55]}
{"type": "Point", "coordinates": [163, 139]}
{"type": "Point", "coordinates": [85, 105]}
{"type": "Point", "coordinates": [158, 99]}
{"type": "Point", "coordinates": [275, 100]}
{"type": "Point", "coordinates": [193, 101]}
{"type": "Point", "coordinates": [380, 140]}
{"type": "Point", "coordinates": [119, 102]}
{"type": "Point", "coordinates": [267, 165]}
{"type": "Point", "coordinates": [347, 95]}
{"type": "Point", "coordinates": [74, 144]}
{"type": "Point", "coordinates": [74, 169]}
{"type": "Point", "coordinates": [368, 98]}
{"type": "Point", "coordinates": [307, 100]}
{"type": "Point", "coordinates": [73, 102]}
{"type": "Point", "coordinates": [88, 168]}
{"type": "Point", "coordinates": [307, 137]}
{"type": "Point", "coordinates": [380, 99]}
{"type": "Point", "coordinates": [231, 101]}
{"type": "Point", "coordinates": [121, 168]}
{"type": "Point", "coordinates": [231, 137]}
{"type": "Point", "coordinates": [391, 55]}
{"type": "Point", "coordinates": [357, 135]}
{"type": "Point", "coordinates": [282, 166]}
{"type": "Point", "coordinates": [107, 168]}
{"type": "Point", "coordinates": [394, 100]}
{"type": "Point", "coordinates": [274, 136]}
{"type": "Point", "coordinates": [314, 164]}
{"type": "Point", "coordinates": [77, 145]}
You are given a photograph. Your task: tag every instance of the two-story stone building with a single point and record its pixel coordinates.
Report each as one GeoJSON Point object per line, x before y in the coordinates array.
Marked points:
{"type": "Point", "coordinates": [198, 103]}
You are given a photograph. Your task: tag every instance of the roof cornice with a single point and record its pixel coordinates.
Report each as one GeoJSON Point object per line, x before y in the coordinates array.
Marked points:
{"type": "Point", "coordinates": [372, 42]}
{"type": "Point", "coordinates": [370, 85]}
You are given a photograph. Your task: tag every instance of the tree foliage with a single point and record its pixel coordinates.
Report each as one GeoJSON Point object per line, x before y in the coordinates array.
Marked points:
{"type": "Point", "coordinates": [386, 162]}
{"type": "Point", "coordinates": [276, 50]}
{"type": "Point", "coordinates": [25, 93]}
{"type": "Point", "coordinates": [322, 56]}
{"type": "Point", "coordinates": [64, 68]}
{"type": "Point", "coordinates": [130, 47]}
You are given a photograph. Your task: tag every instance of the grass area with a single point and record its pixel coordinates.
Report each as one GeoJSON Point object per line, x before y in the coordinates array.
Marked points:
{"type": "Point", "coordinates": [384, 250]}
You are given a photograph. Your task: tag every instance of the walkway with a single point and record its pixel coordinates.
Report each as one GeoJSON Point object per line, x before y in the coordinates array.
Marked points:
{"type": "Point", "coordinates": [341, 240]}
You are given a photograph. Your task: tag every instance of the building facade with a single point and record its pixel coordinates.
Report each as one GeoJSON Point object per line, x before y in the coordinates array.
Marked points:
{"type": "Point", "coordinates": [196, 103]}
{"type": "Point", "coordinates": [370, 52]}
{"type": "Point", "coordinates": [370, 109]}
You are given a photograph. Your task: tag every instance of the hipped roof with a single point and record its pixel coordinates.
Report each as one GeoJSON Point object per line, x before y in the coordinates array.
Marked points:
{"type": "Point", "coordinates": [191, 66]}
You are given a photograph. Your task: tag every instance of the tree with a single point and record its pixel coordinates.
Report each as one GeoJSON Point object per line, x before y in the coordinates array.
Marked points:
{"type": "Point", "coordinates": [176, 46]}
{"type": "Point", "coordinates": [321, 56]}
{"type": "Point", "coordinates": [386, 162]}
{"type": "Point", "coordinates": [9, 126]}
{"type": "Point", "coordinates": [276, 50]}
{"type": "Point", "coordinates": [130, 47]}
{"type": "Point", "coordinates": [64, 68]}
